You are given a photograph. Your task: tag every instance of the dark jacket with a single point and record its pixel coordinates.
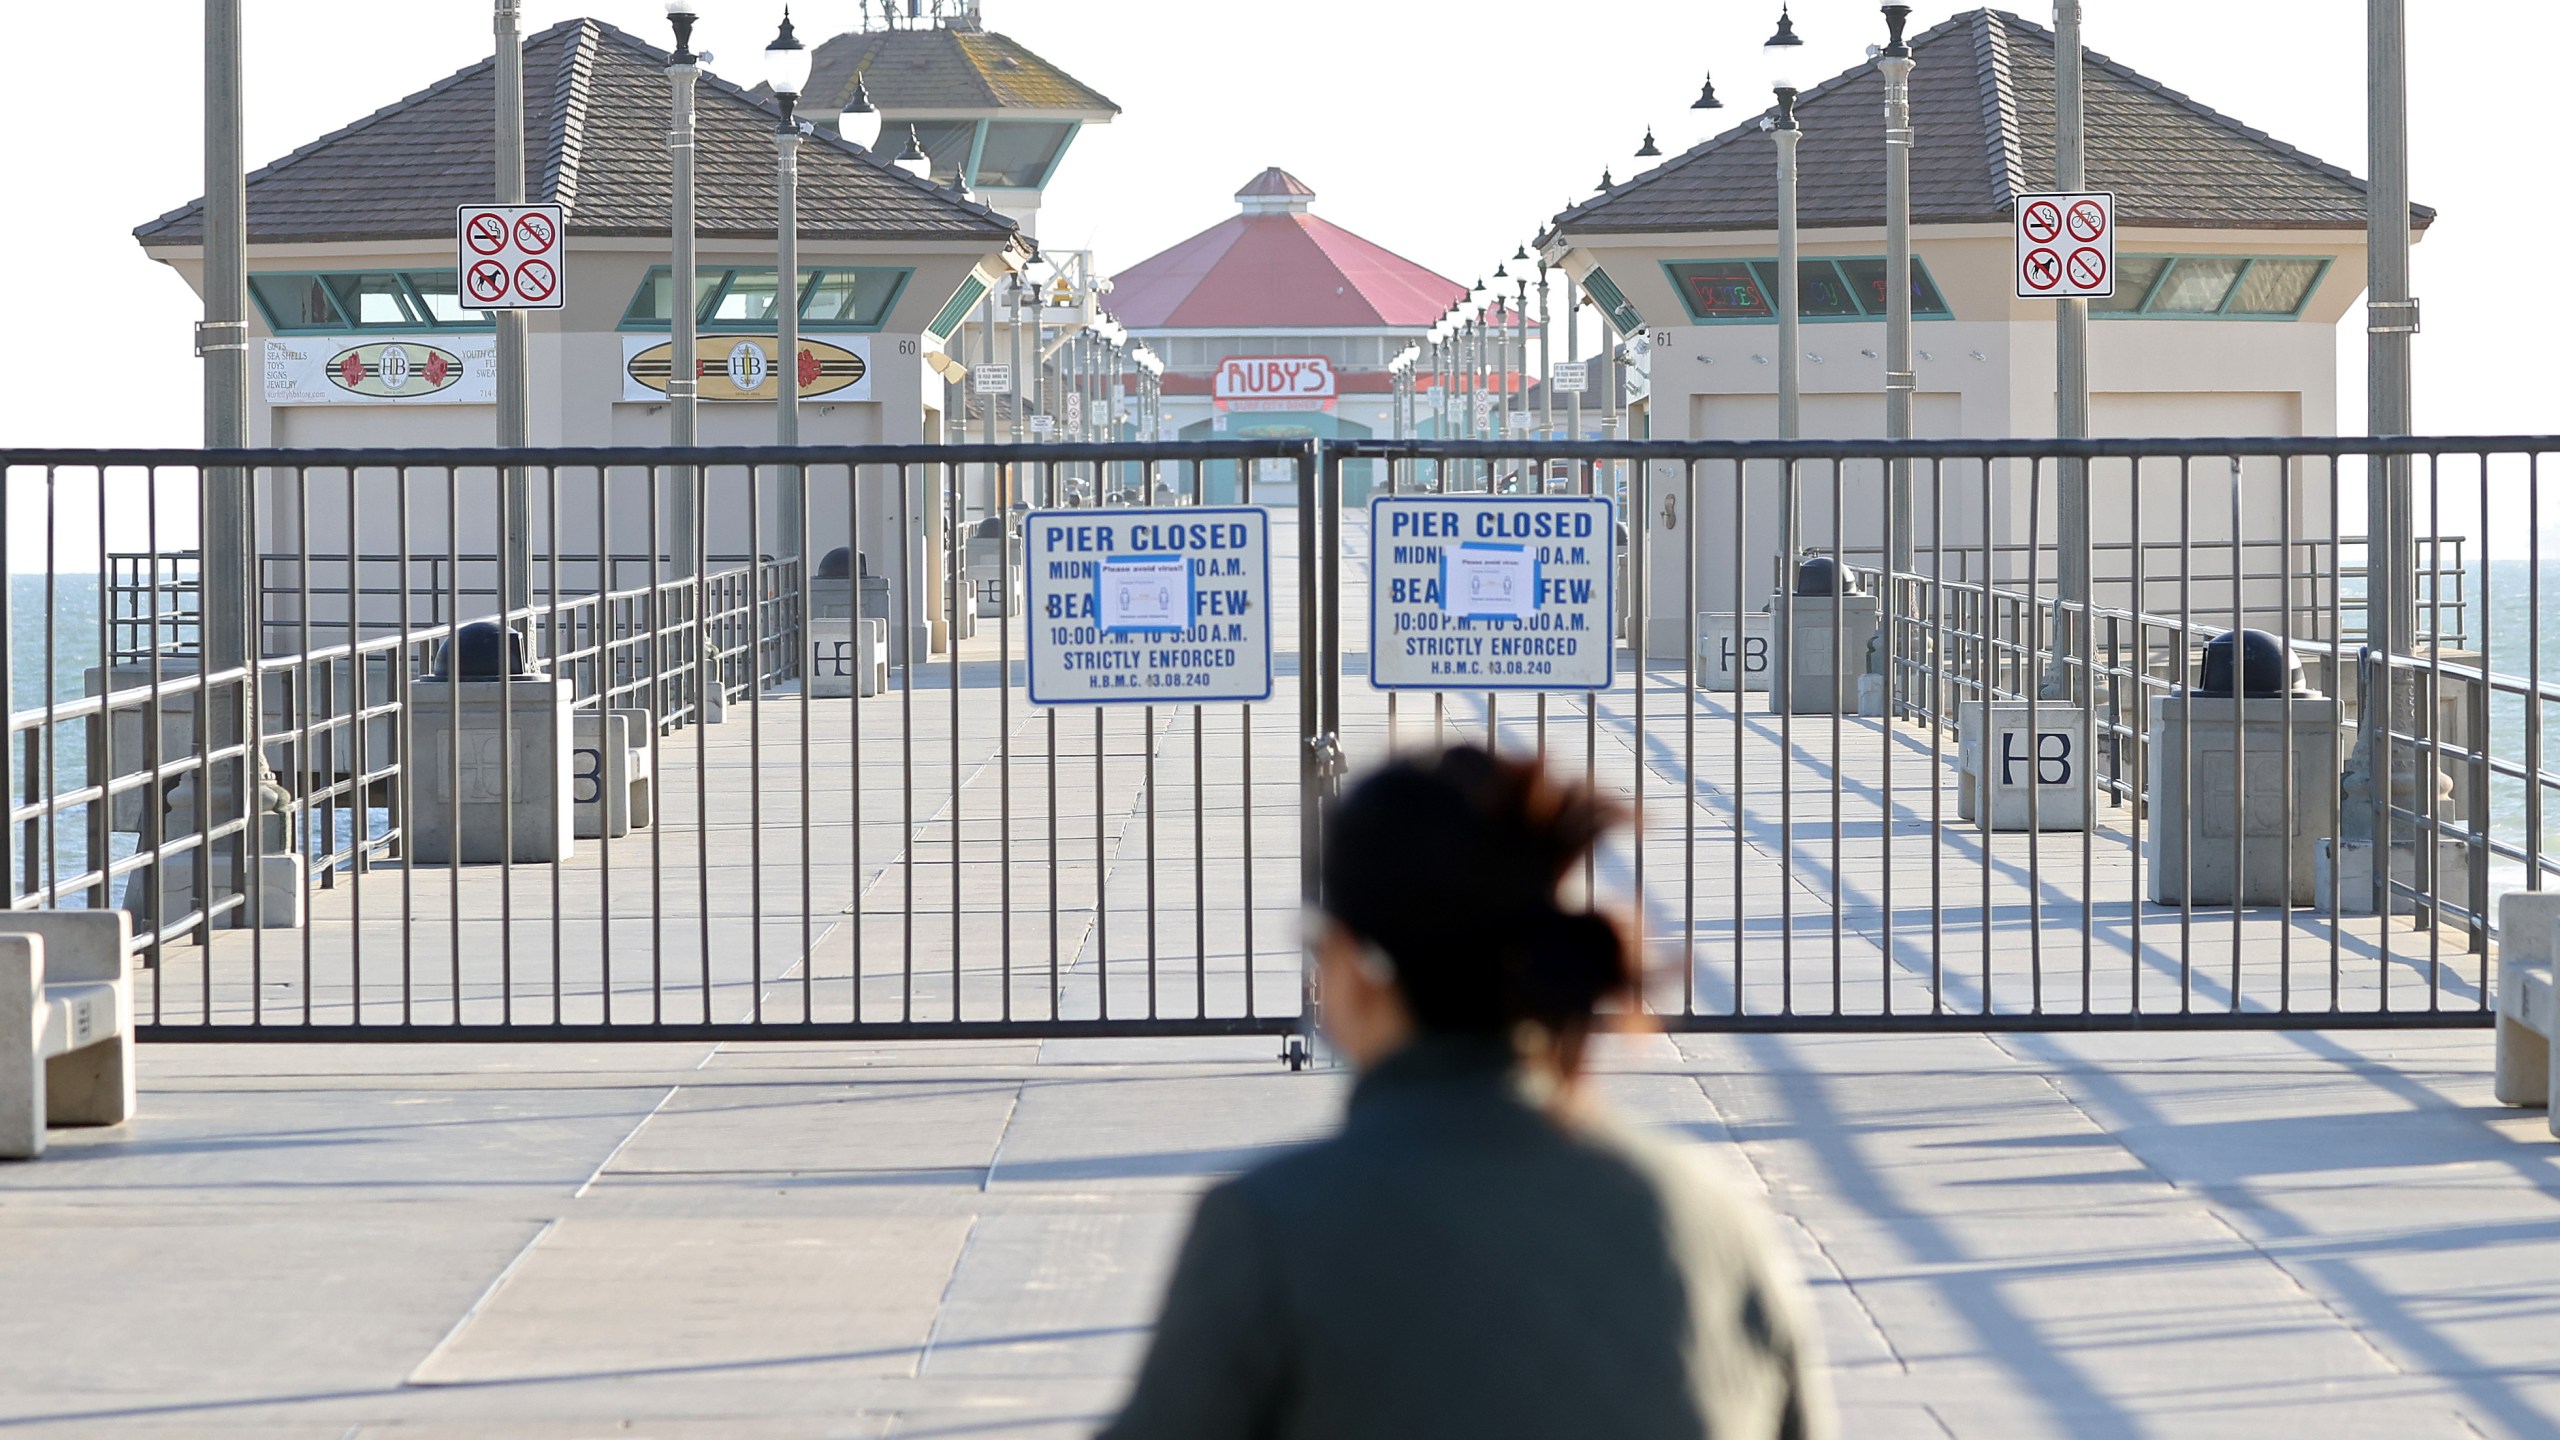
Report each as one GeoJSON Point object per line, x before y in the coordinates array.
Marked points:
{"type": "Point", "coordinates": [1458, 1263]}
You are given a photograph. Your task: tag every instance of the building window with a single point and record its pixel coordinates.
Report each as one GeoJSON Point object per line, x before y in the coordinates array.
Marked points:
{"type": "Point", "coordinates": [740, 299]}
{"type": "Point", "coordinates": [2208, 287]}
{"type": "Point", "coordinates": [392, 301]}
{"type": "Point", "coordinates": [947, 141]}
{"type": "Point", "coordinates": [1719, 291]}
{"type": "Point", "coordinates": [1020, 153]}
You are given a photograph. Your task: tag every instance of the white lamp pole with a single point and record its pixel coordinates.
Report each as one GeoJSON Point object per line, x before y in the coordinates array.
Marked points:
{"type": "Point", "coordinates": [684, 368]}
{"type": "Point", "coordinates": [786, 63]}
{"type": "Point", "coordinates": [2071, 370]}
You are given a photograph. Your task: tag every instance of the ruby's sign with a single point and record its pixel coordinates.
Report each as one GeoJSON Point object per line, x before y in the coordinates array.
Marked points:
{"type": "Point", "coordinates": [1276, 382]}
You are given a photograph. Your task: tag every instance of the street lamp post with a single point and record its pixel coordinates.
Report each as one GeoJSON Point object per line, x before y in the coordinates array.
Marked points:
{"type": "Point", "coordinates": [2071, 371]}
{"type": "Point", "coordinates": [786, 63]}
{"type": "Point", "coordinates": [515, 389]}
{"type": "Point", "coordinates": [1781, 50]}
{"type": "Point", "coordinates": [1899, 379]}
{"type": "Point", "coordinates": [685, 368]}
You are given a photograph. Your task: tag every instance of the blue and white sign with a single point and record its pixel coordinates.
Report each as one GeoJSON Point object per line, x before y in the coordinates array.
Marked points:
{"type": "Point", "coordinates": [1492, 592]}
{"type": "Point", "coordinates": [1149, 607]}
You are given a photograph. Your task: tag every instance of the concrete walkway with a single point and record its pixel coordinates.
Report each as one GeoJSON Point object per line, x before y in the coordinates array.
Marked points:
{"type": "Point", "coordinates": [2173, 1236]}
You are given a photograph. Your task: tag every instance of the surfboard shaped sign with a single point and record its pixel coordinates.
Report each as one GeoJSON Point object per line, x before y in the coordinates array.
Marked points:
{"type": "Point", "coordinates": [737, 368]}
{"type": "Point", "coordinates": [394, 370]}
{"type": "Point", "coordinates": [360, 370]}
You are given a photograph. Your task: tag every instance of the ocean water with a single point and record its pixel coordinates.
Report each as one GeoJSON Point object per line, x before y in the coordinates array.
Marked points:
{"type": "Point", "coordinates": [60, 620]}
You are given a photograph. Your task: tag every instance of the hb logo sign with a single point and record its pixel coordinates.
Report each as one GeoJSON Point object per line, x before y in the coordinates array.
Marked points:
{"type": "Point", "coordinates": [2050, 763]}
{"type": "Point", "coordinates": [1754, 650]}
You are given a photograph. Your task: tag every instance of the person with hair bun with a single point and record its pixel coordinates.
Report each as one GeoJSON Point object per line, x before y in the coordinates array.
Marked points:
{"type": "Point", "coordinates": [1480, 1252]}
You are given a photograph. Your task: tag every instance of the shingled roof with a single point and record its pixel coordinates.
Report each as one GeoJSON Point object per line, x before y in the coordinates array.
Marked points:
{"type": "Point", "coordinates": [938, 68]}
{"type": "Point", "coordinates": [1982, 102]}
{"type": "Point", "coordinates": [596, 108]}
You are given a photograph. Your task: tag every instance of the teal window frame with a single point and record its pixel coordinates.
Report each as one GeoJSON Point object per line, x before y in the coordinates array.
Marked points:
{"type": "Point", "coordinates": [1612, 301]}
{"type": "Point", "coordinates": [811, 278]}
{"type": "Point", "coordinates": [891, 125]}
{"type": "Point", "coordinates": [2141, 309]}
{"type": "Point", "coordinates": [346, 324]}
{"type": "Point", "coordinates": [1762, 266]}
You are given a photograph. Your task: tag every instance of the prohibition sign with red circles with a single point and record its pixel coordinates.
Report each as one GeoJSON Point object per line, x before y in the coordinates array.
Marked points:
{"type": "Point", "coordinates": [535, 280]}
{"type": "Point", "coordinates": [486, 233]}
{"type": "Point", "coordinates": [534, 233]}
{"type": "Point", "coordinates": [2066, 246]}
{"type": "Point", "coordinates": [2042, 270]}
{"type": "Point", "coordinates": [510, 256]}
{"type": "Point", "coordinates": [488, 281]}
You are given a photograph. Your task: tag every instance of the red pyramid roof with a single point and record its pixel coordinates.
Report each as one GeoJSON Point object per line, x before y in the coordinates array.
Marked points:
{"type": "Point", "coordinates": [1276, 181]}
{"type": "Point", "coordinates": [1279, 269]}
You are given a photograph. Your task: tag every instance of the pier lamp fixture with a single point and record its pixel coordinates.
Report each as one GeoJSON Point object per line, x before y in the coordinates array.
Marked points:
{"type": "Point", "coordinates": [860, 122]}
{"type": "Point", "coordinates": [913, 160]}
{"type": "Point", "coordinates": [1606, 184]}
{"type": "Point", "coordinates": [1649, 151]}
{"type": "Point", "coordinates": [1520, 256]}
{"type": "Point", "coordinates": [1784, 50]}
{"type": "Point", "coordinates": [1707, 96]}
{"type": "Point", "coordinates": [680, 14]}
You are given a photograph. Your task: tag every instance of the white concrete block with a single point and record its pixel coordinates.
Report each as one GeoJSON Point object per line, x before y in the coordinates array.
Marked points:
{"type": "Point", "coordinates": [600, 773]}
{"type": "Point", "coordinates": [2214, 842]}
{"type": "Point", "coordinates": [22, 1060]}
{"type": "Point", "coordinates": [1815, 668]}
{"type": "Point", "coordinates": [1733, 645]}
{"type": "Point", "coordinates": [277, 902]}
{"type": "Point", "coordinates": [2528, 953]}
{"type": "Point", "coordinates": [2009, 754]}
{"type": "Point", "coordinates": [66, 1024]}
{"type": "Point", "coordinates": [506, 731]}
{"type": "Point", "coordinates": [2346, 870]}
{"type": "Point", "coordinates": [848, 657]}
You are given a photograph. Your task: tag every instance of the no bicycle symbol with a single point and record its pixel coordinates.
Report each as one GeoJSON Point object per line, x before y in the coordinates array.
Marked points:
{"type": "Point", "coordinates": [2042, 269]}
{"type": "Point", "coordinates": [488, 281]}
{"type": "Point", "coordinates": [2088, 222]}
{"type": "Point", "coordinates": [2042, 221]}
{"type": "Point", "coordinates": [487, 233]}
{"type": "Point", "coordinates": [2087, 268]}
{"type": "Point", "coordinates": [534, 234]}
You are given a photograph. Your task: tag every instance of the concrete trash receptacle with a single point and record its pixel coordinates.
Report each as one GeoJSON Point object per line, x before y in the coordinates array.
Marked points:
{"type": "Point", "coordinates": [484, 721]}
{"type": "Point", "coordinates": [2236, 819]}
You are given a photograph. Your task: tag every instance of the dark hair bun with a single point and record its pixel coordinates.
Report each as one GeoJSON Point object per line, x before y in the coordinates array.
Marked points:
{"type": "Point", "coordinates": [1450, 862]}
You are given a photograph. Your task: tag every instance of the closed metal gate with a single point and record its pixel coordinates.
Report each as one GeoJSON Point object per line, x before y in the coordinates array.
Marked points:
{"type": "Point", "coordinates": [940, 858]}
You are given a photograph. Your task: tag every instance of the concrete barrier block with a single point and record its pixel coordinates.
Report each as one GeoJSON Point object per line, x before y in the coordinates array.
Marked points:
{"type": "Point", "coordinates": [1734, 650]}
{"type": "Point", "coordinates": [2012, 757]}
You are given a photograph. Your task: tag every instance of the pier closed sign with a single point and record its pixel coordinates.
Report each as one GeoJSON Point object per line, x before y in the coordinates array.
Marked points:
{"type": "Point", "coordinates": [1492, 592]}
{"type": "Point", "coordinates": [1148, 607]}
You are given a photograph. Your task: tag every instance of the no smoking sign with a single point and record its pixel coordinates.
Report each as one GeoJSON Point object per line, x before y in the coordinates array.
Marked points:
{"type": "Point", "coordinates": [509, 256]}
{"type": "Point", "coordinates": [2067, 246]}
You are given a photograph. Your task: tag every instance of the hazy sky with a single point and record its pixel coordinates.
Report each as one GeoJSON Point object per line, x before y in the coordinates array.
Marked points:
{"type": "Point", "coordinates": [1445, 130]}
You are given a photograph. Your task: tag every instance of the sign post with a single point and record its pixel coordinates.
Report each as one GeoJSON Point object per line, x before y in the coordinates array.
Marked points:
{"type": "Point", "coordinates": [1149, 607]}
{"type": "Point", "coordinates": [2067, 246]}
{"type": "Point", "coordinates": [1488, 593]}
